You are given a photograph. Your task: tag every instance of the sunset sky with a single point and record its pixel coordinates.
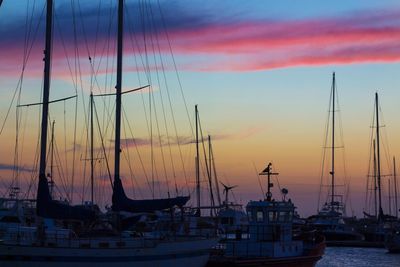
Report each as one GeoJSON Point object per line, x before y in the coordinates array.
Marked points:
{"type": "Point", "coordinates": [260, 72]}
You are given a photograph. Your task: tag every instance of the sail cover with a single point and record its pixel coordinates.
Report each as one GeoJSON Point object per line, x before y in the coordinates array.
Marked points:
{"type": "Point", "coordinates": [120, 202]}
{"type": "Point", "coordinates": [48, 208]}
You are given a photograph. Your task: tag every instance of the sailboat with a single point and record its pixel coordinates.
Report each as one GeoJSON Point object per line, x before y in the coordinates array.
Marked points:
{"type": "Point", "coordinates": [330, 220]}
{"type": "Point", "coordinates": [379, 228]}
{"type": "Point", "coordinates": [44, 245]}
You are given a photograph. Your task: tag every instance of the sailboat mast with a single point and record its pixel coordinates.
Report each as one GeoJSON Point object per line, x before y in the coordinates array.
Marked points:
{"type": "Point", "coordinates": [333, 142]}
{"type": "Point", "coordinates": [375, 182]}
{"type": "Point", "coordinates": [395, 187]}
{"type": "Point", "coordinates": [52, 159]}
{"type": "Point", "coordinates": [91, 150]}
{"type": "Point", "coordinates": [197, 161]}
{"type": "Point", "coordinates": [118, 88]}
{"type": "Point", "coordinates": [212, 161]}
{"type": "Point", "coordinates": [46, 89]}
{"type": "Point", "coordinates": [210, 175]}
{"type": "Point", "coordinates": [390, 197]}
{"type": "Point", "coordinates": [378, 157]}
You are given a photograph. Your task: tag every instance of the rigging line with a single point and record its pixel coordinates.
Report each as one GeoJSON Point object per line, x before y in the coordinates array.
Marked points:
{"type": "Point", "coordinates": [151, 143]}
{"type": "Point", "coordinates": [62, 174]}
{"type": "Point", "coordinates": [83, 29]}
{"type": "Point", "coordinates": [74, 146]}
{"type": "Point", "coordinates": [276, 176]}
{"type": "Point", "coordinates": [27, 29]}
{"type": "Point", "coordinates": [86, 151]}
{"type": "Point", "coordinates": [109, 126]}
{"type": "Point", "coordinates": [36, 157]}
{"type": "Point", "coordinates": [325, 140]}
{"type": "Point", "coordinates": [65, 49]}
{"type": "Point", "coordinates": [97, 31]}
{"type": "Point", "coordinates": [161, 146]}
{"type": "Point", "coordinates": [102, 145]}
{"type": "Point", "coordinates": [215, 175]}
{"type": "Point", "coordinates": [23, 134]}
{"type": "Point", "coordinates": [112, 12]}
{"type": "Point", "coordinates": [170, 104]}
{"type": "Point", "coordinates": [371, 135]}
{"type": "Point", "coordinates": [206, 163]}
{"type": "Point", "coordinates": [346, 179]}
{"type": "Point", "coordinates": [78, 71]}
{"type": "Point", "coordinates": [258, 179]}
{"type": "Point", "coordinates": [74, 75]}
{"type": "Point", "coordinates": [137, 151]}
{"type": "Point", "coordinates": [132, 176]}
{"type": "Point", "coordinates": [131, 31]}
{"type": "Point", "coordinates": [169, 143]}
{"type": "Point", "coordinates": [128, 159]}
{"type": "Point", "coordinates": [161, 96]}
{"type": "Point", "coordinates": [25, 61]}
{"type": "Point", "coordinates": [385, 142]}
{"type": "Point", "coordinates": [65, 148]}
{"type": "Point", "coordinates": [18, 119]}
{"type": "Point", "coordinates": [148, 74]}
{"type": "Point", "coordinates": [156, 116]}
{"type": "Point", "coordinates": [175, 67]}
{"type": "Point", "coordinates": [106, 47]}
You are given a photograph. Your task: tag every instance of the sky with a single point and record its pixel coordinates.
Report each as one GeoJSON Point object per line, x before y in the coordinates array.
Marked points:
{"type": "Point", "coordinates": [259, 71]}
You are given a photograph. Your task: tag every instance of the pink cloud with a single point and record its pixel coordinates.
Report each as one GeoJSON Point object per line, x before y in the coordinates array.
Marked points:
{"type": "Point", "coordinates": [246, 45]}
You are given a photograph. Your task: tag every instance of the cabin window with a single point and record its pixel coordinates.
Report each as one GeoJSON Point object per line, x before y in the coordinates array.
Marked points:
{"type": "Point", "coordinates": [272, 216]}
{"type": "Point", "coordinates": [290, 216]}
{"type": "Point", "coordinates": [250, 216]}
{"type": "Point", "coordinates": [260, 216]}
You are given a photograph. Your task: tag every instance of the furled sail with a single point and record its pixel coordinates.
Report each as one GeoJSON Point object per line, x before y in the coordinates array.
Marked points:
{"type": "Point", "coordinates": [48, 208]}
{"type": "Point", "coordinates": [120, 202]}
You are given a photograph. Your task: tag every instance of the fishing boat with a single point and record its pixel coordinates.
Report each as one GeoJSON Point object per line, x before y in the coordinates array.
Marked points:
{"type": "Point", "coordinates": [330, 218]}
{"type": "Point", "coordinates": [270, 240]}
{"type": "Point", "coordinates": [48, 244]}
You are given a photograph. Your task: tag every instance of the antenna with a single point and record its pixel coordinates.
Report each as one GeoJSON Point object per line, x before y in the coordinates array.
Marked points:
{"type": "Point", "coordinates": [395, 188]}
{"type": "Point", "coordinates": [267, 171]}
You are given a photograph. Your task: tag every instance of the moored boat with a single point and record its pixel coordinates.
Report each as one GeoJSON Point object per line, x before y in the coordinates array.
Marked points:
{"type": "Point", "coordinates": [392, 240]}
{"type": "Point", "coordinates": [61, 248]}
{"type": "Point", "coordinates": [49, 244]}
{"type": "Point", "coordinates": [330, 218]}
{"type": "Point", "coordinates": [270, 239]}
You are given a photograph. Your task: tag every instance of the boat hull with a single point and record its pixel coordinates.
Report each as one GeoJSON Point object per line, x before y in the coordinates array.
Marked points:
{"type": "Point", "coordinates": [393, 243]}
{"type": "Point", "coordinates": [312, 255]}
{"type": "Point", "coordinates": [303, 261]}
{"type": "Point", "coordinates": [192, 253]}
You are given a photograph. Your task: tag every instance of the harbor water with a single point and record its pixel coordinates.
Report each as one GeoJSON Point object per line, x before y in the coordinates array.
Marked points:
{"type": "Point", "coordinates": [358, 257]}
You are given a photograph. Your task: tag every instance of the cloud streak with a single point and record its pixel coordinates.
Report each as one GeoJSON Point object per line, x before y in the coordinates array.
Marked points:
{"type": "Point", "coordinates": [187, 140]}
{"type": "Point", "coordinates": [11, 167]}
{"type": "Point", "coordinates": [239, 44]}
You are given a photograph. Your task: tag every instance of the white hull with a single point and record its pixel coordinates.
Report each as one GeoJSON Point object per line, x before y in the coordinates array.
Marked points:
{"type": "Point", "coordinates": [193, 253]}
